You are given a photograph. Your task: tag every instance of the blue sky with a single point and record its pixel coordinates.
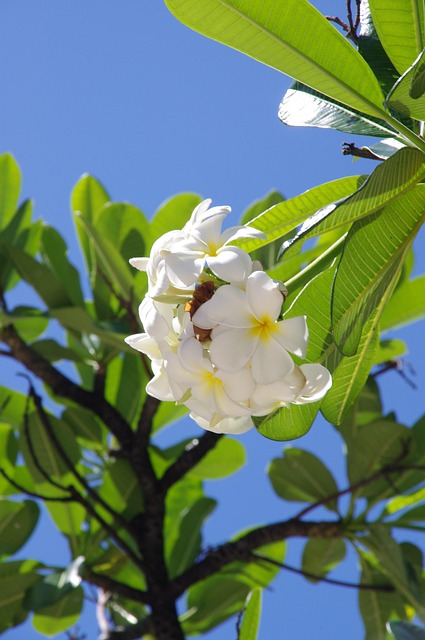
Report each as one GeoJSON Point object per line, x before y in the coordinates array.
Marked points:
{"type": "Point", "coordinates": [123, 91]}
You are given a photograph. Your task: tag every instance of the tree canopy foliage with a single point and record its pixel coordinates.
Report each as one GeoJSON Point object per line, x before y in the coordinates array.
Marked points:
{"type": "Point", "coordinates": [82, 440]}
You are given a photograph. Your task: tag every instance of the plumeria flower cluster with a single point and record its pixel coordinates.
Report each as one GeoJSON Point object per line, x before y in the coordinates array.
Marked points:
{"type": "Point", "coordinates": [213, 328]}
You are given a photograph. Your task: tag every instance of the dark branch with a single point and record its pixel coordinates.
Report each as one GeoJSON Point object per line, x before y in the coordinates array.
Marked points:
{"type": "Point", "coordinates": [116, 587]}
{"type": "Point", "coordinates": [64, 387]}
{"type": "Point", "coordinates": [32, 494]}
{"type": "Point", "coordinates": [308, 574]}
{"type": "Point", "coordinates": [193, 453]}
{"type": "Point", "coordinates": [350, 149]}
{"type": "Point", "coordinates": [242, 549]}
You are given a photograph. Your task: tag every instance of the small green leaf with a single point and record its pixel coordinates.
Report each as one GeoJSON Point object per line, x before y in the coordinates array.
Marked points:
{"type": "Point", "coordinates": [390, 350]}
{"type": "Point", "coordinates": [188, 544]}
{"type": "Point", "coordinates": [251, 617]}
{"type": "Point", "coordinates": [402, 630]}
{"type": "Point", "coordinates": [13, 588]}
{"type": "Point", "coordinates": [406, 305]}
{"type": "Point", "coordinates": [321, 555]}
{"type": "Point", "coordinates": [52, 351]}
{"type": "Point", "coordinates": [172, 214]}
{"type": "Point", "coordinates": [60, 616]}
{"type": "Point", "coordinates": [288, 423]}
{"type": "Point", "coordinates": [125, 226]}
{"type": "Point", "coordinates": [40, 277]}
{"type": "Point", "coordinates": [28, 322]}
{"type": "Point", "coordinates": [10, 184]}
{"type": "Point", "coordinates": [227, 457]}
{"type": "Point", "coordinates": [17, 522]}
{"type": "Point", "coordinates": [85, 425]}
{"type": "Point", "coordinates": [55, 256]}
{"type": "Point", "coordinates": [301, 477]}
{"type": "Point", "coordinates": [408, 93]}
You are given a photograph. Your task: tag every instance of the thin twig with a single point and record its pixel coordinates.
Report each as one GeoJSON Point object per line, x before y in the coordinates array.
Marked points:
{"type": "Point", "coordinates": [313, 576]}
{"type": "Point", "coordinates": [114, 586]}
{"type": "Point", "coordinates": [350, 149]}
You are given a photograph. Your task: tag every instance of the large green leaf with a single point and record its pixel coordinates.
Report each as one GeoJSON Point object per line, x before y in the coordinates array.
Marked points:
{"type": "Point", "coordinates": [179, 497]}
{"type": "Point", "coordinates": [125, 226]}
{"type": "Point", "coordinates": [188, 543]}
{"type": "Point", "coordinates": [10, 184]}
{"type": "Point", "coordinates": [17, 522]}
{"type": "Point", "coordinates": [408, 93]}
{"type": "Point", "coordinates": [301, 106]}
{"type": "Point", "coordinates": [251, 617]}
{"type": "Point", "coordinates": [125, 385]}
{"type": "Point", "coordinates": [302, 477]}
{"type": "Point", "coordinates": [283, 217]}
{"type": "Point", "coordinates": [406, 305]}
{"type": "Point", "coordinates": [291, 36]}
{"type": "Point", "coordinates": [321, 555]}
{"type": "Point", "coordinates": [19, 232]}
{"type": "Point", "coordinates": [402, 630]}
{"type": "Point", "coordinates": [400, 27]}
{"type": "Point", "coordinates": [372, 258]}
{"type": "Point", "coordinates": [28, 322]}
{"type": "Point", "coordinates": [388, 181]}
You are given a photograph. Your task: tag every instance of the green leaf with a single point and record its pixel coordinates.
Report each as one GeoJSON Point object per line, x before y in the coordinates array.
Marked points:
{"type": "Point", "coordinates": [179, 497]}
{"type": "Point", "coordinates": [188, 543]}
{"type": "Point", "coordinates": [125, 385]}
{"type": "Point", "coordinates": [389, 350]}
{"type": "Point", "coordinates": [17, 522]}
{"type": "Point", "coordinates": [390, 557]}
{"type": "Point", "coordinates": [293, 38]}
{"type": "Point", "coordinates": [251, 617]}
{"type": "Point", "coordinates": [301, 477]}
{"type": "Point", "coordinates": [172, 214]}
{"type": "Point", "coordinates": [52, 351]}
{"type": "Point", "coordinates": [20, 233]}
{"type": "Point", "coordinates": [370, 448]}
{"type": "Point", "coordinates": [69, 518]}
{"type": "Point", "coordinates": [376, 606]}
{"type": "Point", "coordinates": [85, 425]}
{"type": "Point", "coordinates": [109, 260]}
{"type": "Point", "coordinates": [370, 265]}
{"type": "Point", "coordinates": [121, 489]}
{"type": "Point", "coordinates": [287, 215]}
{"type": "Point", "coordinates": [287, 423]}
{"type": "Point", "coordinates": [55, 256]}
{"type": "Point", "coordinates": [227, 457]}
{"type": "Point", "coordinates": [408, 93]}
{"type": "Point", "coordinates": [125, 226]}
{"type": "Point", "coordinates": [400, 27]}
{"type": "Point", "coordinates": [60, 616]}
{"type": "Point", "coordinates": [87, 198]}
{"type": "Point", "coordinates": [301, 106]}
{"type": "Point", "coordinates": [406, 305]}
{"type": "Point", "coordinates": [40, 277]}
{"type": "Point", "coordinates": [349, 374]}
{"type": "Point", "coordinates": [13, 588]}
{"type": "Point", "coordinates": [402, 630]}
{"type": "Point", "coordinates": [266, 255]}
{"type": "Point", "coordinates": [388, 181]}
{"type": "Point", "coordinates": [10, 184]}
{"type": "Point", "coordinates": [28, 322]}
{"type": "Point", "coordinates": [212, 601]}
{"type": "Point", "coordinates": [321, 555]}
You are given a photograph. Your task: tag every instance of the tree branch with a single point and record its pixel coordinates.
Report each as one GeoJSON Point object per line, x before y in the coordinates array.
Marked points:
{"type": "Point", "coordinates": [242, 549]}
{"type": "Point", "coordinates": [193, 453]}
{"type": "Point", "coordinates": [114, 586]}
{"type": "Point", "coordinates": [64, 387]}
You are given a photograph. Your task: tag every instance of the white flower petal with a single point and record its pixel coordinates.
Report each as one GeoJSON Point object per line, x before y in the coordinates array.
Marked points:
{"type": "Point", "coordinates": [184, 267]}
{"type": "Point", "coordinates": [159, 387]}
{"type": "Point", "coordinates": [231, 264]}
{"type": "Point", "coordinates": [227, 307]}
{"type": "Point", "coordinates": [139, 263]}
{"type": "Point", "coordinates": [318, 381]}
{"type": "Point", "coordinates": [156, 317]}
{"type": "Point", "coordinates": [193, 357]}
{"type": "Point", "coordinates": [270, 362]}
{"type": "Point", "coordinates": [264, 298]}
{"type": "Point", "coordinates": [293, 335]}
{"type": "Point", "coordinates": [144, 343]}
{"type": "Point", "coordinates": [239, 385]}
{"type": "Point", "coordinates": [232, 349]}
{"type": "Point", "coordinates": [233, 426]}
{"type": "Point", "coordinates": [234, 233]}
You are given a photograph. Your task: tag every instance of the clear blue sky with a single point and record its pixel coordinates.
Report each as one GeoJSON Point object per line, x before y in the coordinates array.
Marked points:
{"type": "Point", "coordinates": [125, 92]}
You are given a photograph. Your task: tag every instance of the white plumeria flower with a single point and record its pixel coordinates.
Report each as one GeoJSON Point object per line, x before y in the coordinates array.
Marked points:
{"type": "Point", "coordinates": [156, 317]}
{"type": "Point", "coordinates": [318, 381]}
{"type": "Point", "coordinates": [231, 426]}
{"type": "Point", "coordinates": [246, 329]}
{"type": "Point", "coordinates": [205, 245]}
{"type": "Point", "coordinates": [217, 391]}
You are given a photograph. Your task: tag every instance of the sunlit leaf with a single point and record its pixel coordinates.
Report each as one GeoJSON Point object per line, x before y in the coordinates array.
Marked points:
{"type": "Point", "coordinates": [227, 457]}
{"type": "Point", "coordinates": [251, 617]}
{"type": "Point", "coordinates": [172, 214]}
{"type": "Point", "coordinates": [406, 305]}
{"type": "Point", "coordinates": [294, 38]}
{"type": "Point", "coordinates": [321, 555]}
{"type": "Point", "coordinates": [60, 616]}
{"type": "Point", "coordinates": [10, 184]}
{"type": "Point", "coordinates": [17, 522]}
